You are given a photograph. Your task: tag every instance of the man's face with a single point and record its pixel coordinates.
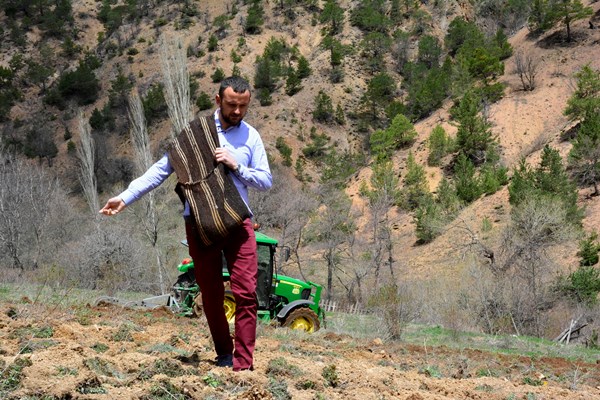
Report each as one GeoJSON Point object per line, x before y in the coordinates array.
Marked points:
{"type": "Point", "coordinates": [233, 107]}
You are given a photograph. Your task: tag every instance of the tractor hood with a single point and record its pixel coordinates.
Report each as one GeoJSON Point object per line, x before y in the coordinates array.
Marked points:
{"type": "Point", "coordinates": [261, 238]}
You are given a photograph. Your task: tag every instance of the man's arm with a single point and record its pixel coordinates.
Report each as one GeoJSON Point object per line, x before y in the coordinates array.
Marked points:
{"type": "Point", "coordinates": [151, 179]}
{"type": "Point", "coordinates": [258, 173]}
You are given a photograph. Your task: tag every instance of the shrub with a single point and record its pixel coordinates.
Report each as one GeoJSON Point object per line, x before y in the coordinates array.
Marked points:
{"type": "Point", "coordinates": [583, 285]}
{"type": "Point", "coordinates": [398, 135]}
{"type": "Point", "coordinates": [467, 186]}
{"type": "Point", "coordinates": [255, 18]}
{"type": "Point", "coordinates": [204, 101]}
{"type": "Point", "coordinates": [284, 150]}
{"type": "Point", "coordinates": [323, 111]}
{"type": "Point", "coordinates": [330, 375]}
{"type": "Point", "coordinates": [317, 148]}
{"type": "Point", "coordinates": [213, 43]}
{"type": "Point", "coordinates": [429, 222]}
{"type": "Point", "coordinates": [264, 97]}
{"type": "Point", "coordinates": [588, 250]}
{"type": "Point", "coordinates": [154, 103]}
{"type": "Point", "coordinates": [218, 75]}
{"type": "Point", "coordinates": [303, 69]}
{"type": "Point", "coordinates": [397, 306]}
{"type": "Point", "coordinates": [439, 146]}
{"type": "Point", "coordinates": [81, 84]}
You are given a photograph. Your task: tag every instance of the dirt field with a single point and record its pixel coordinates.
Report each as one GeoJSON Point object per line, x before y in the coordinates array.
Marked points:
{"type": "Point", "coordinates": [113, 353]}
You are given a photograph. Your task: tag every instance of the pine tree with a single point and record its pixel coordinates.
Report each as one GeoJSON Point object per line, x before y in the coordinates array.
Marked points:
{"type": "Point", "coordinates": [474, 137]}
{"type": "Point", "coordinates": [293, 84]}
{"type": "Point", "coordinates": [569, 11]}
{"type": "Point", "coordinates": [585, 101]}
{"type": "Point", "coordinates": [332, 14]}
{"type": "Point", "coordinates": [416, 190]}
{"type": "Point", "coordinates": [323, 111]}
{"type": "Point", "coordinates": [303, 70]}
{"type": "Point", "coordinates": [467, 186]}
{"type": "Point", "coordinates": [255, 19]}
{"type": "Point", "coordinates": [584, 157]}
{"type": "Point", "coordinates": [548, 180]}
{"type": "Point", "coordinates": [439, 145]}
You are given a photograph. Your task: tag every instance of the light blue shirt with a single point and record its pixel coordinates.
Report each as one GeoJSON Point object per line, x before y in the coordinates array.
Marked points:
{"type": "Point", "coordinates": [244, 144]}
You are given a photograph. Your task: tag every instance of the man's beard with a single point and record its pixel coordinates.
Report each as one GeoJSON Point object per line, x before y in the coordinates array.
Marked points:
{"type": "Point", "coordinates": [228, 120]}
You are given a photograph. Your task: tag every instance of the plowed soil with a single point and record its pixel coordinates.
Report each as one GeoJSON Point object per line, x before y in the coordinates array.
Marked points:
{"type": "Point", "coordinates": [109, 352]}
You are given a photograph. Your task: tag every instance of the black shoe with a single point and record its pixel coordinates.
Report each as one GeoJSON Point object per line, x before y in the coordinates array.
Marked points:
{"type": "Point", "coordinates": [224, 360]}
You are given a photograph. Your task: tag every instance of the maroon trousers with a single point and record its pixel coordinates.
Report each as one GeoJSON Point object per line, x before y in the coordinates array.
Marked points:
{"type": "Point", "coordinates": [239, 249]}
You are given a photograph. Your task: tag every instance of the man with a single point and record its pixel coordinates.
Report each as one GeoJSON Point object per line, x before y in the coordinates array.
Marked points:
{"type": "Point", "coordinates": [241, 150]}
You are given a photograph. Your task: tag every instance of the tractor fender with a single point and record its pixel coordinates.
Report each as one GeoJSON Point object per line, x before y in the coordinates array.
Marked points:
{"type": "Point", "coordinates": [294, 304]}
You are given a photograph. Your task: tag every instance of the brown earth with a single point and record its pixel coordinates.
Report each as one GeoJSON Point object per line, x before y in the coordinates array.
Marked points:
{"type": "Point", "coordinates": [113, 353]}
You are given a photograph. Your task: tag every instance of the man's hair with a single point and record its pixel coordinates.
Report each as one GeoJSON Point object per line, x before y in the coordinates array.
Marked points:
{"type": "Point", "coordinates": [238, 84]}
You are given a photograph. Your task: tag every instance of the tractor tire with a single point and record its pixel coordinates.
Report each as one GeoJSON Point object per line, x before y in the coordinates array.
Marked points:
{"type": "Point", "coordinates": [229, 305]}
{"type": "Point", "coordinates": [303, 319]}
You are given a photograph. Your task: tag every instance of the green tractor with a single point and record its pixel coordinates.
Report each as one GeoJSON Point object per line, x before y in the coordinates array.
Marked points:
{"type": "Point", "coordinates": [291, 302]}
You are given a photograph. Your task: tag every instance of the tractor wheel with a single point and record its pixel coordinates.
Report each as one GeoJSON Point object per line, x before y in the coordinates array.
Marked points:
{"type": "Point", "coordinates": [229, 305]}
{"type": "Point", "coordinates": [303, 319]}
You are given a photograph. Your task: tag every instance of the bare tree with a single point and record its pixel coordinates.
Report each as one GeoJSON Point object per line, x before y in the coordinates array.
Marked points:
{"type": "Point", "coordinates": [139, 133]}
{"type": "Point", "coordinates": [176, 80]}
{"type": "Point", "coordinates": [397, 305]}
{"type": "Point", "coordinates": [333, 230]}
{"type": "Point", "coordinates": [33, 214]}
{"type": "Point", "coordinates": [143, 161]}
{"type": "Point", "coordinates": [109, 260]}
{"type": "Point", "coordinates": [87, 175]}
{"type": "Point", "coordinates": [287, 208]}
{"type": "Point", "coordinates": [382, 196]}
{"type": "Point", "coordinates": [527, 68]}
{"type": "Point", "coordinates": [537, 224]}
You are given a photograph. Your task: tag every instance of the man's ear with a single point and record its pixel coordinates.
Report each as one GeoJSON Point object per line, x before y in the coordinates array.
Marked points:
{"type": "Point", "coordinates": [218, 100]}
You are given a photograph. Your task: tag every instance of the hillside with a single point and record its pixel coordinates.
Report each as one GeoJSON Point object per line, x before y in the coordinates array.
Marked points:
{"type": "Point", "coordinates": [50, 351]}
{"type": "Point", "coordinates": [522, 121]}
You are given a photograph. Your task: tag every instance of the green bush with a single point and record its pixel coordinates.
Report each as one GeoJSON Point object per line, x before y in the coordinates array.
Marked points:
{"type": "Point", "coordinates": [213, 43]}
{"type": "Point", "coordinates": [218, 75]}
{"type": "Point", "coordinates": [8, 93]}
{"type": "Point", "coordinates": [293, 84]}
{"type": "Point", "coordinates": [330, 375]}
{"type": "Point", "coordinates": [549, 180]}
{"type": "Point", "coordinates": [303, 70]}
{"type": "Point", "coordinates": [284, 150]}
{"type": "Point", "coordinates": [317, 148]}
{"type": "Point", "coordinates": [323, 111]}
{"type": "Point", "coordinates": [370, 16]}
{"type": "Point", "coordinates": [204, 101]}
{"type": "Point", "coordinates": [264, 97]}
{"type": "Point", "coordinates": [439, 146]}
{"type": "Point", "coordinates": [492, 178]}
{"type": "Point", "coordinates": [398, 135]}
{"type": "Point", "coordinates": [154, 103]}
{"type": "Point", "coordinates": [588, 250]}
{"type": "Point", "coordinates": [255, 18]}
{"type": "Point", "coordinates": [81, 83]}
{"type": "Point", "coordinates": [467, 186]}
{"type": "Point", "coordinates": [582, 285]}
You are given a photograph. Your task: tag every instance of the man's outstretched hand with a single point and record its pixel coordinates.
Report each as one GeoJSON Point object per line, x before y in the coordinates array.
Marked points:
{"type": "Point", "coordinates": [112, 206]}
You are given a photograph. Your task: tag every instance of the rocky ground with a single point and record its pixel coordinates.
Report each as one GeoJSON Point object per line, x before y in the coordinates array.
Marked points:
{"type": "Point", "coordinates": [113, 353]}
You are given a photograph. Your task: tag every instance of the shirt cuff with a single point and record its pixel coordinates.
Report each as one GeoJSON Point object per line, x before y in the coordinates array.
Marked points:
{"type": "Point", "coordinates": [127, 197]}
{"type": "Point", "coordinates": [239, 169]}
